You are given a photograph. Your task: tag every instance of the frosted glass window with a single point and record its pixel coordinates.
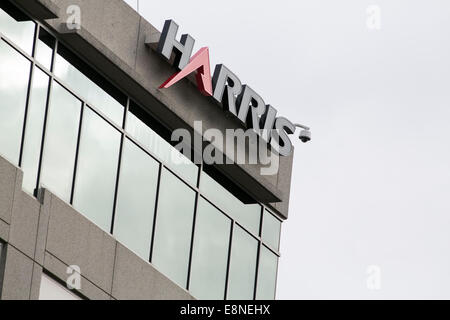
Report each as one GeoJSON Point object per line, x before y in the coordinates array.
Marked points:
{"type": "Point", "coordinates": [136, 198]}
{"type": "Point", "coordinates": [249, 215]}
{"type": "Point", "coordinates": [34, 129]}
{"type": "Point", "coordinates": [97, 169]}
{"type": "Point", "coordinates": [14, 78]}
{"type": "Point", "coordinates": [267, 275]}
{"type": "Point", "coordinates": [210, 253]}
{"type": "Point", "coordinates": [173, 230]}
{"type": "Point", "coordinates": [53, 290]}
{"type": "Point", "coordinates": [60, 145]}
{"type": "Point", "coordinates": [17, 27]}
{"type": "Point", "coordinates": [271, 231]}
{"type": "Point", "coordinates": [88, 90]}
{"type": "Point", "coordinates": [163, 150]}
{"type": "Point", "coordinates": [242, 274]}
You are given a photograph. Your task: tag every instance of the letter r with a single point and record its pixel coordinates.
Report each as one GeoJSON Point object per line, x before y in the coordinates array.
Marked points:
{"type": "Point", "coordinates": [226, 87]}
{"type": "Point", "coordinates": [168, 43]}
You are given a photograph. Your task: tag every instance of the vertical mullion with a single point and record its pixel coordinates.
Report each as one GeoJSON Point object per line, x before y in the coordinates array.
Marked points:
{"type": "Point", "coordinates": [199, 177]}
{"type": "Point", "coordinates": [197, 199]}
{"type": "Point", "coordinates": [263, 209]}
{"type": "Point", "coordinates": [279, 239]}
{"type": "Point", "coordinates": [155, 212]}
{"type": "Point", "coordinates": [261, 222]}
{"type": "Point", "coordinates": [77, 153]}
{"type": "Point", "coordinates": [230, 245]}
{"type": "Point", "coordinates": [44, 130]}
{"type": "Point", "coordinates": [276, 279]}
{"type": "Point", "coordinates": [194, 218]}
{"type": "Point", "coordinates": [257, 269]}
{"type": "Point", "coordinates": [119, 165]}
{"type": "Point", "coordinates": [27, 103]}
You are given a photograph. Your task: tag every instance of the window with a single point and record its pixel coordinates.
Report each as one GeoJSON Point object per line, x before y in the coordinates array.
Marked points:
{"type": "Point", "coordinates": [97, 169]}
{"type": "Point", "coordinates": [249, 215]}
{"type": "Point", "coordinates": [173, 229]}
{"type": "Point", "coordinates": [61, 142]}
{"type": "Point", "coordinates": [136, 199]}
{"type": "Point", "coordinates": [267, 275]}
{"type": "Point", "coordinates": [242, 274]}
{"type": "Point", "coordinates": [271, 230]}
{"type": "Point", "coordinates": [163, 150]}
{"type": "Point", "coordinates": [52, 290]}
{"type": "Point", "coordinates": [17, 26]}
{"type": "Point", "coordinates": [87, 88]}
{"type": "Point", "coordinates": [45, 44]}
{"type": "Point", "coordinates": [14, 77]}
{"type": "Point", "coordinates": [34, 128]}
{"type": "Point", "coordinates": [210, 252]}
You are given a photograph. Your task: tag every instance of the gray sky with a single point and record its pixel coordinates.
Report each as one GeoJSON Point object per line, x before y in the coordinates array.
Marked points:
{"type": "Point", "coordinates": [373, 187]}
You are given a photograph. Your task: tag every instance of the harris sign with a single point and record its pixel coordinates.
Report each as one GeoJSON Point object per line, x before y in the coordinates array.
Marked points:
{"type": "Point", "coordinates": [226, 89]}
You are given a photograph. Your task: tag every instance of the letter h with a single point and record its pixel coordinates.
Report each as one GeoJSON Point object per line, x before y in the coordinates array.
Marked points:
{"type": "Point", "coordinates": [168, 43]}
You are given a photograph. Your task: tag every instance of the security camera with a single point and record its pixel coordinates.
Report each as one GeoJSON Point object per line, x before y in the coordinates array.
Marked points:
{"type": "Point", "coordinates": [305, 136]}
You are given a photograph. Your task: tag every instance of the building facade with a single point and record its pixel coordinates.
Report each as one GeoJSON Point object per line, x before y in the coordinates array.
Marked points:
{"type": "Point", "coordinates": [91, 186]}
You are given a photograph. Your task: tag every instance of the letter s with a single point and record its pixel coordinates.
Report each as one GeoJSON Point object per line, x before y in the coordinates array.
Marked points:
{"type": "Point", "coordinates": [280, 139]}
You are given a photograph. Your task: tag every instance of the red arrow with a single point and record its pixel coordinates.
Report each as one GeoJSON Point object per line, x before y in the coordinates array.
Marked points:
{"type": "Point", "coordinates": [200, 63]}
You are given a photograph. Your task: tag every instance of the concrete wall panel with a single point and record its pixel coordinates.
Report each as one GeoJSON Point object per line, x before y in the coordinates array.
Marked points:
{"type": "Point", "coordinates": [112, 22]}
{"type": "Point", "coordinates": [138, 280]}
{"type": "Point", "coordinates": [59, 269]}
{"type": "Point", "coordinates": [36, 282]}
{"type": "Point", "coordinates": [45, 198]}
{"type": "Point", "coordinates": [17, 275]}
{"type": "Point", "coordinates": [7, 186]}
{"type": "Point", "coordinates": [75, 240]}
{"type": "Point", "coordinates": [4, 231]}
{"type": "Point", "coordinates": [24, 220]}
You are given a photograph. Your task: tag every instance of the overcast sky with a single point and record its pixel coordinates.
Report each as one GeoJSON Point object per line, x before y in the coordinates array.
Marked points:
{"type": "Point", "coordinates": [373, 187]}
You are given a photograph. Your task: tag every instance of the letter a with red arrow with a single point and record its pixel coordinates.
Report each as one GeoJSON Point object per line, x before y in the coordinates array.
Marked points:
{"type": "Point", "coordinates": [200, 63]}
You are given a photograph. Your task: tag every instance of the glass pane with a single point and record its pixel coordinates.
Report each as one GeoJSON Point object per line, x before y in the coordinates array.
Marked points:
{"type": "Point", "coordinates": [267, 275]}
{"type": "Point", "coordinates": [88, 90]}
{"type": "Point", "coordinates": [60, 142]}
{"type": "Point", "coordinates": [271, 231]}
{"type": "Point", "coordinates": [210, 252]}
{"type": "Point", "coordinates": [242, 274]}
{"type": "Point", "coordinates": [161, 149]}
{"type": "Point", "coordinates": [97, 169]}
{"type": "Point", "coordinates": [248, 215]}
{"type": "Point", "coordinates": [136, 199]}
{"type": "Point", "coordinates": [17, 27]}
{"type": "Point", "coordinates": [173, 228]}
{"type": "Point", "coordinates": [34, 128]}
{"type": "Point", "coordinates": [44, 49]}
{"type": "Point", "coordinates": [14, 78]}
{"type": "Point", "coordinates": [53, 290]}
